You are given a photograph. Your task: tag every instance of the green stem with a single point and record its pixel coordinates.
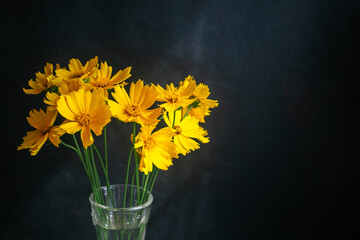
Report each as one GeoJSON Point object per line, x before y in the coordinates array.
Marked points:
{"type": "Point", "coordinates": [174, 120]}
{"type": "Point", "coordinates": [144, 189]}
{"type": "Point", "coordinates": [136, 163]}
{"type": "Point", "coordinates": [85, 164]}
{"type": "Point", "coordinates": [100, 158]}
{"type": "Point", "coordinates": [105, 154]}
{"type": "Point", "coordinates": [96, 174]}
{"type": "Point", "coordinates": [91, 171]}
{"type": "Point", "coordinates": [153, 182]}
{"type": "Point", "coordinates": [186, 112]}
{"type": "Point", "coordinates": [143, 180]}
{"type": "Point", "coordinates": [79, 154]}
{"type": "Point", "coordinates": [69, 146]}
{"type": "Point", "coordinates": [127, 175]}
{"type": "Point", "coordinates": [98, 197]}
{"type": "Point", "coordinates": [105, 173]}
{"type": "Point", "coordinates": [132, 188]}
{"type": "Point", "coordinates": [91, 174]}
{"type": "Point", "coordinates": [76, 143]}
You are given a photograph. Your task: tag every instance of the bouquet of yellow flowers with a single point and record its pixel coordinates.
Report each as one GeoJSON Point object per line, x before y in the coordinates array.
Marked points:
{"type": "Point", "coordinates": [82, 100]}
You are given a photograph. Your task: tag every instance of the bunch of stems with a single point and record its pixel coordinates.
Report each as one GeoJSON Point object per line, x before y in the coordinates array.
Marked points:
{"type": "Point", "coordinates": [88, 160]}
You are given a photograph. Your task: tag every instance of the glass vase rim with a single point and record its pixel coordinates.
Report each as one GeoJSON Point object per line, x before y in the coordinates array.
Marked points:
{"type": "Point", "coordinates": [138, 207]}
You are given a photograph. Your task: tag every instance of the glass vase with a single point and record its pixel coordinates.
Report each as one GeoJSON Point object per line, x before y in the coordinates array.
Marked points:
{"type": "Point", "coordinates": [119, 220]}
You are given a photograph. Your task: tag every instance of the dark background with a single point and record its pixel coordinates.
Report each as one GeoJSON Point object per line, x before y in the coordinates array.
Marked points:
{"type": "Point", "coordinates": [281, 160]}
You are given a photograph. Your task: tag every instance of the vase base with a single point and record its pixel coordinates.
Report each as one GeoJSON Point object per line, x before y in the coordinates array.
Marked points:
{"type": "Point", "coordinates": [129, 234]}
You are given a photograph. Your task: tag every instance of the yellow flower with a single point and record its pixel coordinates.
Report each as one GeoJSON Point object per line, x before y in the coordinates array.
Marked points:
{"type": "Point", "coordinates": [43, 81]}
{"type": "Point", "coordinates": [201, 94]}
{"type": "Point", "coordinates": [44, 129]}
{"type": "Point", "coordinates": [102, 79]}
{"type": "Point", "coordinates": [156, 148]}
{"type": "Point", "coordinates": [198, 112]}
{"type": "Point", "coordinates": [186, 129]}
{"type": "Point", "coordinates": [202, 104]}
{"type": "Point", "coordinates": [175, 97]}
{"type": "Point", "coordinates": [65, 87]}
{"type": "Point", "coordinates": [135, 107]}
{"type": "Point", "coordinates": [77, 70]}
{"type": "Point", "coordinates": [85, 111]}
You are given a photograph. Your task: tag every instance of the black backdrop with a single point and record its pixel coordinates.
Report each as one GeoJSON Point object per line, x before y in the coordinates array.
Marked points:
{"type": "Point", "coordinates": [281, 160]}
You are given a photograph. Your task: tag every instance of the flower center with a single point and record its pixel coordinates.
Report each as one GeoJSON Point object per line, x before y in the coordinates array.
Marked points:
{"type": "Point", "coordinates": [133, 110]}
{"type": "Point", "coordinates": [172, 98]}
{"type": "Point", "coordinates": [102, 83]}
{"type": "Point", "coordinates": [83, 119]}
{"type": "Point", "coordinates": [177, 129]}
{"type": "Point", "coordinates": [46, 130]}
{"type": "Point", "coordinates": [192, 96]}
{"type": "Point", "coordinates": [149, 143]}
{"type": "Point", "coordinates": [78, 74]}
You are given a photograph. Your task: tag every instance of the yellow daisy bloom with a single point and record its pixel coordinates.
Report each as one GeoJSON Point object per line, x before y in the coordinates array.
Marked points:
{"type": "Point", "coordinates": [186, 129]}
{"type": "Point", "coordinates": [43, 81]}
{"type": "Point", "coordinates": [44, 130]}
{"type": "Point", "coordinates": [175, 97]}
{"type": "Point", "coordinates": [102, 80]}
{"type": "Point", "coordinates": [156, 148]}
{"type": "Point", "coordinates": [134, 108]}
{"type": "Point", "coordinates": [202, 105]}
{"type": "Point", "coordinates": [198, 112]}
{"type": "Point", "coordinates": [85, 111]}
{"type": "Point", "coordinates": [77, 70]}
{"type": "Point", "coordinates": [201, 94]}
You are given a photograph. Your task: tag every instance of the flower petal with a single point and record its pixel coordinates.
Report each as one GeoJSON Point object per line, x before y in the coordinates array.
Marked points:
{"type": "Point", "coordinates": [86, 137]}
{"type": "Point", "coordinates": [64, 109]}
{"type": "Point", "coordinates": [71, 127]}
{"type": "Point", "coordinates": [38, 145]}
{"type": "Point", "coordinates": [121, 96]}
{"type": "Point", "coordinates": [118, 110]}
{"type": "Point", "coordinates": [30, 139]}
